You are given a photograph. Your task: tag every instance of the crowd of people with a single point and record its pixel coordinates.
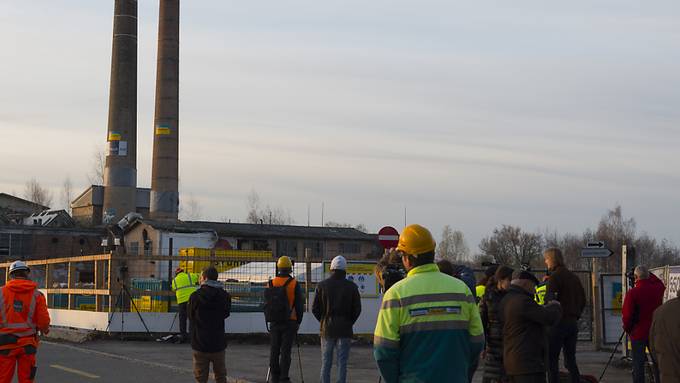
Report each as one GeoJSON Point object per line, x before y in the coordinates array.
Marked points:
{"type": "Point", "coordinates": [434, 325]}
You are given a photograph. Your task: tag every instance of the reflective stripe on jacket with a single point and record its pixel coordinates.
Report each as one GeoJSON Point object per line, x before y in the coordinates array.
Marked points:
{"type": "Point", "coordinates": [540, 293]}
{"type": "Point", "coordinates": [428, 329]}
{"type": "Point", "coordinates": [23, 311]}
{"type": "Point", "coordinates": [184, 285]}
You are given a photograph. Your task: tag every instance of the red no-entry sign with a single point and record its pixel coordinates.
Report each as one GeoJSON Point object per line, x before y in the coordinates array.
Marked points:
{"type": "Point", "coordinates": [388, 237]}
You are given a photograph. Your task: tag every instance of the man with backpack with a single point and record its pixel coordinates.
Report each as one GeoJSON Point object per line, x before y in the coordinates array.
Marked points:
{"type": "Point", "coordinates": [283, 310]}
{"type": "Point", "coordinates": [337, 306]}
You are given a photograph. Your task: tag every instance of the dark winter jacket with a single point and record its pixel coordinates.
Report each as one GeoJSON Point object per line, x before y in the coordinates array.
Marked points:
{"type": "Point", "coordinates": [208, 307]}
{"type": "Point", "coordinates": [466, 275]}
{"type": "Point", "coordinates": [565, 287]}
{"type": "Point", "coordinates": [493, 330]}
{"type": "Point", "coordinates": [639, 306]}
{"type": "Point", "coordinates": [524, 341]}
{"type": "Point", "coordinates": [337, 305]}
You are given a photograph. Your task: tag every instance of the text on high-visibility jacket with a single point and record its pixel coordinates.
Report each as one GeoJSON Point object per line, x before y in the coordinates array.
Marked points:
{"type": "Point", "coordinates": [428, 329]}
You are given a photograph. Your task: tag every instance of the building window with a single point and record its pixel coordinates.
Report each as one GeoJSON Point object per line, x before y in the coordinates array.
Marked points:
{"type": "Point", "coordinates": [286, 247]}
{"type": "Point", "coordinates": [261, 244]}
{"type": "Point", "coordinates": [134, 248]}
{"type": "Point", "coordinates": [316, 249]}
{"type": "Point", "coordinates": [349, 248]}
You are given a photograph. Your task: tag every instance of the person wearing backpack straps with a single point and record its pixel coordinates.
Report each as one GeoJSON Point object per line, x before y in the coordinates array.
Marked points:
{"type": "Point", "coordinates": [284, 307]}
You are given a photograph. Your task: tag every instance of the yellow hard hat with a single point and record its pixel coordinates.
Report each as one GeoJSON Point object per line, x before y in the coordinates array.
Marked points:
{"type": "Point", "coordinates": [284, 263]}
{"type": "Point", "coordinates": [415, 240]}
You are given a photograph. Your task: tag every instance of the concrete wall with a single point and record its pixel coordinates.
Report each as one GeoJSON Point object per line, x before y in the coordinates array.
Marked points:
{"type": "Point", "coordinates": [237, 323]}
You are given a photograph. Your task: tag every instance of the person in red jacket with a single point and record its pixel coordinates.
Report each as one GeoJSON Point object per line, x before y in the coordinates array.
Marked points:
{"type": "Point", "coordinates": [638, 310]}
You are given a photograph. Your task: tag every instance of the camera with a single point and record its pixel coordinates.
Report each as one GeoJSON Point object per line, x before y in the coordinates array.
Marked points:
{"type": "Point", "coordinates": [630, 274]}
{"type": "Point", "coordinates": [389, 270]}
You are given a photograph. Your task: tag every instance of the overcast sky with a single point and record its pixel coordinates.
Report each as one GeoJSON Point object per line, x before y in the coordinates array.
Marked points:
{"type": "Point", "coordinates": [468, 113]}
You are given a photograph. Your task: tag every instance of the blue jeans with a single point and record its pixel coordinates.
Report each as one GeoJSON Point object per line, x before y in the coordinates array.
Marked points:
{"type": "Point", "coordinates": [327, 347]}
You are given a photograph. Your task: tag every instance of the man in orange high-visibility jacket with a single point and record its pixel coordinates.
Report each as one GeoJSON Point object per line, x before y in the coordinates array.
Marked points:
{"type": "Point", "coordinates": [285, 323]}
{"type": "Point", "coordinates": [23, 312]}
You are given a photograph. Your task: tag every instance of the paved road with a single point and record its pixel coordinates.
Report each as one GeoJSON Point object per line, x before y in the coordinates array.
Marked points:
{"type": "Point", "coordinates": [141, 362]}
{"type": "Point", "coordinates": [61, 363]}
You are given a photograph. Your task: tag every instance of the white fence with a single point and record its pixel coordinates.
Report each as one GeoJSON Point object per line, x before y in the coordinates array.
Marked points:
{"type": "Point", "coordinates": [237, 323]}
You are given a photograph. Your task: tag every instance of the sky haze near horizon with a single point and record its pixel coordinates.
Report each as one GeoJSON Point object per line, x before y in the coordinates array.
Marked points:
{"type": "Point", "coordinates": [466, 113]}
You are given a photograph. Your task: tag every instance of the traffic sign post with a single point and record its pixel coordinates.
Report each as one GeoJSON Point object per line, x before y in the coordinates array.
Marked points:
{"type": "Point", "coordinates": [388, 237]}
{"type": "Point", "coordinates": [596, 253]}
{"type": "Point", "coordinates": [596, 249]}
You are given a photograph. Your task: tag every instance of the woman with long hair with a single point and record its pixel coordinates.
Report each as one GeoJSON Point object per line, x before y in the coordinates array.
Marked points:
{"type": "Point", "coordinates": [496, 289]}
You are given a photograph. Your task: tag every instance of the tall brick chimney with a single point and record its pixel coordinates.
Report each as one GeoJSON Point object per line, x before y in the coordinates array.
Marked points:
{"type": "Point", "coordinates": [165, 170]}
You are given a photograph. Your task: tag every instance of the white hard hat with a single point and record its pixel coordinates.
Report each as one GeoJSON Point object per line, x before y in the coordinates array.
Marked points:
{"type": "Point", "coordinates": [18, 265]}
{"type": "Point", "coordinates": [339, 263]}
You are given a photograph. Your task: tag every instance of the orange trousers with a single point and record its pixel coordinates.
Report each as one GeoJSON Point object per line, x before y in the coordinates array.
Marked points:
{"type": "Point", "coordinates": [9, 359]}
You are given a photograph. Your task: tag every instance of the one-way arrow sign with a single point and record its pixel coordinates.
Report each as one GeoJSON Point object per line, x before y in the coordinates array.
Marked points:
{"type": "Point", "coordinates": [596, 253]}
{"type": "Point", "coordinates": [595, 245]}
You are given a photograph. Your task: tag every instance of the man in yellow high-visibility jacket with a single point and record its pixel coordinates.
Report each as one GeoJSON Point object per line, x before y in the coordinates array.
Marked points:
{"type": "Point", "coordinates": [425, 319]}
{"type": "Point", "coordinates": [184, 285]}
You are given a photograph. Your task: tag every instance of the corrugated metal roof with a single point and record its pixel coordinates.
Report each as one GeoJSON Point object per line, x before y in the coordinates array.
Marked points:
{"type": "Point", "coordinates": [29, 204]}
{"type": "Point", "coordinates": [263, 231]}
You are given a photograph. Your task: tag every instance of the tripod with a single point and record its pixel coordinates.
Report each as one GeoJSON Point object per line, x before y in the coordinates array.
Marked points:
{"type": "Point", "coordinates": [122, 293]}
{"type": "Point", "coordinates": [611, 356]}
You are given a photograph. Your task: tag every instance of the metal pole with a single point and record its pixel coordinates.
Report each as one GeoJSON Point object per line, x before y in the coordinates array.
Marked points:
{"type": "Point", "coordinates": [597, 317]}
{"type": "Point", "coordinates": [308, 276]}
{"type": "Point", "coordinates": [624, 289]}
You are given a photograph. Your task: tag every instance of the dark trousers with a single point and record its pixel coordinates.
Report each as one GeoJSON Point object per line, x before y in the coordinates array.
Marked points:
{"type": "Point", "coordinates": [531, 378]}
{"type": "Point", "coordinates": [563, 337]}
{"type": "Point", "coordinates": [183, 318]}
{"type": "Point", "coordinates": [639, 360]}
{"type": "Point", "coordinates": [282, 337]}
{"type": "Point", "coordinates": [473, 367]}
{"type": "Point", "coordinates": [202, 362]}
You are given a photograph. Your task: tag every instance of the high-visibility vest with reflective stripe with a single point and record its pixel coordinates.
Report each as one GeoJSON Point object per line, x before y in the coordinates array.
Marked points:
{"type": "Point", "coordinates": [540, 293]}
{"type": "Point", "coordinates": [480, 290]}
{"type": "Point", "coordinates": [428, 329]}
{"type": "Point", "coordinates": [23, 327]}
{"type": "Point", "coordinates": [184, 285]}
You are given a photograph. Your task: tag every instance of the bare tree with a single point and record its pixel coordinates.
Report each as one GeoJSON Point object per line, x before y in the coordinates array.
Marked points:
{"type": "Point", "coordinates": [190, 209]}
{"type": "Point", "coordinates": [253, 207]}
{"type": "Point", "coordinates": [267, 214]}
{"type": "Point", "coordinates": [510, 246]}
{"type": "Point", "coordinates": [67, 194]}
{"type": "Point", "coordinates": [571, 245]}
{"type": "Point", "coordinates": [96, 174]}
{"type": "Point", "coordinates": [615, 231]}
{"type": "Point", "coordinates": [34, 192]}
{"type": "Point", "coordinates": [453, 246]}
{"type": "Point", "coordinates": [361, 227]}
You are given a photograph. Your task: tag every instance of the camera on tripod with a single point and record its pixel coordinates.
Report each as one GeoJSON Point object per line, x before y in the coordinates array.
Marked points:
{"type": "Point", "coordinates": [389, 270]}
{"type": "Point", "coordinates": [630, 274]}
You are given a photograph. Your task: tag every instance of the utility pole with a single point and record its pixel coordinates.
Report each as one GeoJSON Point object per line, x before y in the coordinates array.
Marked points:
{"type": "Point", "coordinates": [597, 313]}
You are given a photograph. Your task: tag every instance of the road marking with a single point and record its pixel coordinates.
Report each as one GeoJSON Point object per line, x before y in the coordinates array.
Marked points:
{"type": "Point", "coordinates": [74, 371]}
{"type": "Point", "coordinates": [90, 351]}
